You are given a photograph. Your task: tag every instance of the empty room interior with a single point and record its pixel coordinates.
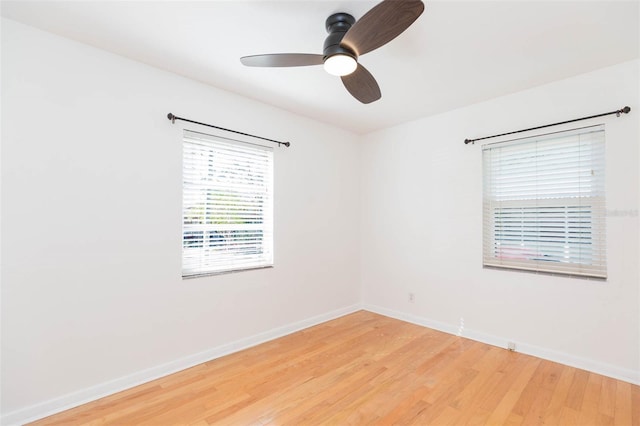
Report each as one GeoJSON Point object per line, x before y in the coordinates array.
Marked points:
{"type": "Point", "coordinates": [320, 212]}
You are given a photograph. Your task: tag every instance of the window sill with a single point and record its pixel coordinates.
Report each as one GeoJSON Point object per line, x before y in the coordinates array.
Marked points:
{"type": "Point", "coordinates": [230, 271]}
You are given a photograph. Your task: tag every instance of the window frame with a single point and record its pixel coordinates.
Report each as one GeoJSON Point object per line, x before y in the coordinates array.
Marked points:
{"type": "Point", "coordinates": [536, 208]}
{"type": "Point", "coordinates": [217, 169]}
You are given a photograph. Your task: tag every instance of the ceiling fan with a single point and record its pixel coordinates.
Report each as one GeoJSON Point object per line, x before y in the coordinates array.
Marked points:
{"type": "Point", "coordinates": [348, 40]}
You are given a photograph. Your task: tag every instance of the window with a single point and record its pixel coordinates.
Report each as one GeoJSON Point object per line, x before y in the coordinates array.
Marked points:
{"type": "Point", "coordinates": [544, 203]}
{"type": "Point", "coordinates": [227, 207]}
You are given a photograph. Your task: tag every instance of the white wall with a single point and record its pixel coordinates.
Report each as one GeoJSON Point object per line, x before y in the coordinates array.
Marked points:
{"type": "Point", "coordinates": [422, 230]}
{"type": "Point", "coordinates": [91, 225]}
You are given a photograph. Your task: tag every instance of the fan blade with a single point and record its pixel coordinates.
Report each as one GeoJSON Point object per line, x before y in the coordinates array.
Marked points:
{"type": "Point", "coordinates": [282, 60]}
{"type": "Point", "coordinates": [362, 85]}
{"type": "Point", "coordinates": [380, 25]}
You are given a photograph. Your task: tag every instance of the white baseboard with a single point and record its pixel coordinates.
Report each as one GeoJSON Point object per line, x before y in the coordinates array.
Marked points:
{"type": "Point", "coordinates": [613, 371]}
{"type": "Point", "coordinates": [65, 402]}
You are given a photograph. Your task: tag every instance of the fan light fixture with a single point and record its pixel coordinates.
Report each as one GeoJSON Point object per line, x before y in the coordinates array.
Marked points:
{"type": "Point", "coordinates": [340, 65]}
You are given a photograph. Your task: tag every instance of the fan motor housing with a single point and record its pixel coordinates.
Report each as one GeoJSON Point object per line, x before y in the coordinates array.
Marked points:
{"type": "Point", "coordinates": [337, 26]}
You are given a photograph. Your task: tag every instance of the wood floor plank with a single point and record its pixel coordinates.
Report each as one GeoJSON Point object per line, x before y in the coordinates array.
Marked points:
{"type": "Point", "coordinates": [569, 416]}
{"type": "Point", "coordinates": [553, 410]}
{"type": "Point", "coordinates": [504, 408]}
{"type": "Point", "coordinates": [405, 402]}
{"type": "Point", "coordinates": [578, 387]}
{"type": "Point", "coordinates": [482, 403]}
{"type": "Point", "coordinates": [624, 408]}
{"type": "Point", "coordinates": [544, 395]}
{"type": "Point", "coordinates": [591, 400]}
{"type": "Point", "coordinates": [367, 369]}
{"type": "Point", "coordinates": [607, 403]}
{"type": "Point", "coordinates": [635, 405]}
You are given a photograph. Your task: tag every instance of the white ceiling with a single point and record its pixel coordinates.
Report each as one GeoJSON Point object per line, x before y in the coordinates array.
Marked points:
{"type": "Point", "coordinates": [457, 53]}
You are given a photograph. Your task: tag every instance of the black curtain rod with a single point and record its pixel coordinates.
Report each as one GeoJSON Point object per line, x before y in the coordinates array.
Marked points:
{"type": "Point", "coordinates": [624, 110]}
{"type": "Point", "coordinates": [173, 119]}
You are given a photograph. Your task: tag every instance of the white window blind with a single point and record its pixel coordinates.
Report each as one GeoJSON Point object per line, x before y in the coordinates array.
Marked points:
{"type": "Point", "coordinates": [227, 211]}
{"type": "Point", "coordinates": [544, 203]}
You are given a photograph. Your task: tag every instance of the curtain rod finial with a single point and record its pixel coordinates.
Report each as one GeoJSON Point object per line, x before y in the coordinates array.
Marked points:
{"type": "Point", "coordinates": [624, 110]}
{"type": "Point", "coordinates": [468, 141]}
{"type": "Point", "coordinates": [172, 118]}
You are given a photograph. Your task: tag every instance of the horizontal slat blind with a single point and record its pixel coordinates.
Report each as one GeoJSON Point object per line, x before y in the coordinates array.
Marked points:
{"type": "Point", "coordinates": [227, 212]}
{"type": "Point", "coordinates": [544, 203]}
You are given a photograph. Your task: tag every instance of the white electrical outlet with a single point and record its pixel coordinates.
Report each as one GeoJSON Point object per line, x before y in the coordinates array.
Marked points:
{"type": "Point", "coordinates": [412, 297]}
{"type": "Point", "coordinates": [511, 346]}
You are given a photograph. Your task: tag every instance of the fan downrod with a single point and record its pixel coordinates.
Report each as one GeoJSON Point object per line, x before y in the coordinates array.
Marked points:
{"type": "Point", "coordinates": [337, 26]}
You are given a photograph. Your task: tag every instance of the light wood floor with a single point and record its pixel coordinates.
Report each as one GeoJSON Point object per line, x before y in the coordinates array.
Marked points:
{"type": "Point", "coordinates": [368, 369]}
